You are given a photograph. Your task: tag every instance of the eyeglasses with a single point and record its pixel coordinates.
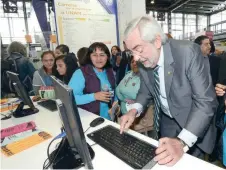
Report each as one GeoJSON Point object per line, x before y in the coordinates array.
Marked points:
{"type": "Point", "coordinates": [134, 53]}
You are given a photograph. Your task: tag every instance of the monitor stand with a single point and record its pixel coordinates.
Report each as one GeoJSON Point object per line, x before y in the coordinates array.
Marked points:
{"type": "Point", "coordinates": [21, 112]}
{"type": "Point", "coordinates": [66, 158]}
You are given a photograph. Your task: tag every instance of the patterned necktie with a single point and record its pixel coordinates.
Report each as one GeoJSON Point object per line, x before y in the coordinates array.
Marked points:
{"type": "Point", "coordinates": [156, 100]}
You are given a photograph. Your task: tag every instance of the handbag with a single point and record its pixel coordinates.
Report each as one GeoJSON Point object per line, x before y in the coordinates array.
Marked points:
{"type": "Point", "coordinates": [145, 122]}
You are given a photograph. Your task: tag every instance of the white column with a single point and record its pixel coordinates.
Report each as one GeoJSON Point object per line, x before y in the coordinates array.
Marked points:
{"type": "Point", "coordinates": [128, 10]}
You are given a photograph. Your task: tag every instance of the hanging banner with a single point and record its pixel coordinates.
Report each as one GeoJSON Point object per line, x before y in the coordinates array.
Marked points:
{"type": "Point", "coordinates": [82, 22]}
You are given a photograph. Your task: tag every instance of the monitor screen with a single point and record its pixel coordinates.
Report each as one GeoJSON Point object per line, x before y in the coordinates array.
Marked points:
{"type": "Point", "coordinates": [71, 121]}
{"type": "Point", "coordinates": [20, 90]}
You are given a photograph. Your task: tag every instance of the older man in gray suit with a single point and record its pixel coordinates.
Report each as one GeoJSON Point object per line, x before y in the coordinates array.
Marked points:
{"type": "Point", "coordinates": [175, 77]}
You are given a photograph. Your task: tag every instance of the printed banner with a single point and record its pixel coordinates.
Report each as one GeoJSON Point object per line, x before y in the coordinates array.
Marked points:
{"type": "Point", "coordinates": [82, 22]}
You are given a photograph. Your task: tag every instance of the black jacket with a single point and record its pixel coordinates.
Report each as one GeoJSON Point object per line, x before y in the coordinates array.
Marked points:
{"type": "Point", "coordinates": [125, 63]}
{"type": "Point", "coordinates": [222, 69]}
{"type": "Point", "coordinates": [214, 68]}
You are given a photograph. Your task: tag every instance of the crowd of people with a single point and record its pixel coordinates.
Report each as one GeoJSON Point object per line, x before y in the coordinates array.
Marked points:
{"type": "Point", "coordinates": [183, 83]}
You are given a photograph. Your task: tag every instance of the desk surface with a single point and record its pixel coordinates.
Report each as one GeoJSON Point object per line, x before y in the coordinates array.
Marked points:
{"type": "Point", "coordinates": [33, 158]}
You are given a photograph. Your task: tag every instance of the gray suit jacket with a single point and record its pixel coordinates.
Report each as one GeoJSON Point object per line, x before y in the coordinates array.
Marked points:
{"type": "Point", "coordinates": [190, 93]}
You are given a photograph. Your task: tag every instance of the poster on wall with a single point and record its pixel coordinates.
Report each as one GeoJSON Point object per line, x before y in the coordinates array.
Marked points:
{"type": "Point", "coordinates": [81, 22]}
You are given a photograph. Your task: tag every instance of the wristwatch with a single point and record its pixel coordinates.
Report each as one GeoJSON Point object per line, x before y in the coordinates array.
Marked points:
{"type": "Point", "coordinates": [185, 146]}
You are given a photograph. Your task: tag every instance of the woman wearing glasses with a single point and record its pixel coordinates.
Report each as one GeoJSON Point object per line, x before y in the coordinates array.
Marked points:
{"type": "Point", "coordinates": [93, 84]}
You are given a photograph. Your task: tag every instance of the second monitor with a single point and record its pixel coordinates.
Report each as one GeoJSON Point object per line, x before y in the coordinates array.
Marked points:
{"type": "Point", "coordinates": [24, 97]}
{"type": "Point", "coordinates": [73, 128]}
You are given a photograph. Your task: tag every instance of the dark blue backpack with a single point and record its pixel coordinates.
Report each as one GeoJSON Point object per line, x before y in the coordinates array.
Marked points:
{"type": "Point", "coordinates": [8, 64]}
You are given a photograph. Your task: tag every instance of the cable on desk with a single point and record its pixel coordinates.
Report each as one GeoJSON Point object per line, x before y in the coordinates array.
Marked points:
{"type": "Point", "coordinates": [62, 135]}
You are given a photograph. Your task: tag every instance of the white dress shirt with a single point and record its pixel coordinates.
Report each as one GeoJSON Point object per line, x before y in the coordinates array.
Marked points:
{"type": "Point", "coordinates": [188, 137]}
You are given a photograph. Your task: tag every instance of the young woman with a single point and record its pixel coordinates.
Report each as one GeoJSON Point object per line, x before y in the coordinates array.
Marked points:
{"type": "Point", "coordinates": [42, 76]}
{"type": "Point", "coordinates": [115, 57]}
{"type": "Point", "coordinates": [93, 82]}
{"type": "Point", "coordinates": [65, 67]}
{"type": "Point", "coordinates": [61, 50]}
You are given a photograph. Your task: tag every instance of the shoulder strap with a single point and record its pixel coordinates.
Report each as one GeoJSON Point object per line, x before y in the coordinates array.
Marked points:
{"type": "Point", "coordinates": [15, 65]}
{"type": "Point", "coordinates": [14, 62]}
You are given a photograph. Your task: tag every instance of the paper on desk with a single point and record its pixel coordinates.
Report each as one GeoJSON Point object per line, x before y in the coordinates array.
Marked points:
{"type": "Point", "coordinates": [23, 144]}
{"type": "Point", "coordinates": [2, 101]}
{"type": "Point", "coordinates": [17, 129]}
{"type": "Point", "coordinates": [16, 137]}
{"type": "Point", "coordinates": [7, 105]}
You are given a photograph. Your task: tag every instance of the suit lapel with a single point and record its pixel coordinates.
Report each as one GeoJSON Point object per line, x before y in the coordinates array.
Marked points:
{"type": "Point", "coordinates": [147, 75]}
{"type": "Point", "coordinates": [168, 67]}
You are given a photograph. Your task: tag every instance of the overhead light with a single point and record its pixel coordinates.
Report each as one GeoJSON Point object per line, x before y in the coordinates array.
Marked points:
{"type": "Point", "coordinates": [152, 2]}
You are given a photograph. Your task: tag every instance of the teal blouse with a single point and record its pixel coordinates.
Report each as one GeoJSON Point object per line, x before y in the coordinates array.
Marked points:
{"type": "Point", "coordinates": [128, 89]}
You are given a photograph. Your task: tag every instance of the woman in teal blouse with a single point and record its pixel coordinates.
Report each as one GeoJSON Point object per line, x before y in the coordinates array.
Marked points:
{"type": "Point", "coordinates": [128, 88]}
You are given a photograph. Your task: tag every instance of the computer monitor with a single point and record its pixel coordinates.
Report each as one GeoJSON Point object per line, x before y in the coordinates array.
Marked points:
{"type": "Point", "coordinates": [24, 97]}
{"type": "Point", "coordinates": [72, 124]}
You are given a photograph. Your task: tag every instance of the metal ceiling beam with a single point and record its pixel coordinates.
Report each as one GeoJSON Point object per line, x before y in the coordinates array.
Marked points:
{"type": "Point", "coordinates": [193, 11]}
{"type": "Point", "coordinates": [196, 8]}
{"type": "Point", "coordinates": [190, 8]}
{"type": "Point", "coordinates": [156, 9]}
{"type": "Point", "coordinates": [208, 1]}
{"type": "Point", "coordinates": [178, 11]}
{"type": "Point", "coordinates": [187, 12]}
{"type": "Point", "coordinates": [201, 4]}
{"type": "Point", "coordinates": [177, 5]}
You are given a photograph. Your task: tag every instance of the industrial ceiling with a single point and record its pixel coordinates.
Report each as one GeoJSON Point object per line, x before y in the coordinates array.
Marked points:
{"type": "Point", "coordinates": [203, 7]}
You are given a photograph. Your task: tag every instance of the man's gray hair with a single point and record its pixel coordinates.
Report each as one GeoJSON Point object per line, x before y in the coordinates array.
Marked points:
{"type": "Point", "coordinates": [148, 27]}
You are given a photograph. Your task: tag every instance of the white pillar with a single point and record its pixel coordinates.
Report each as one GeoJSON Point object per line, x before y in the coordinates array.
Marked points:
{"type": "Point", "coordinates": [128, 10]}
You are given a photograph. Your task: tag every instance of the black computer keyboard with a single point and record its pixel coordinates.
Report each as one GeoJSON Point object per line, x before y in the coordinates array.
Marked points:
{"type": "Point", "coordinates": [48, 104]}
{"type": "Point", "coordinates": [133, 151]}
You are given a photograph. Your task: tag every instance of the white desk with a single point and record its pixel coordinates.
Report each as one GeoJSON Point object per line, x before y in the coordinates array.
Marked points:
{"type": "Point", "coordinates": [34, 157]}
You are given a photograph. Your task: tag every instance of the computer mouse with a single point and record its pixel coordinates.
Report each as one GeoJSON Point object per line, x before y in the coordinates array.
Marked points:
{"type": "Point", "coordinates": [96, 122]}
